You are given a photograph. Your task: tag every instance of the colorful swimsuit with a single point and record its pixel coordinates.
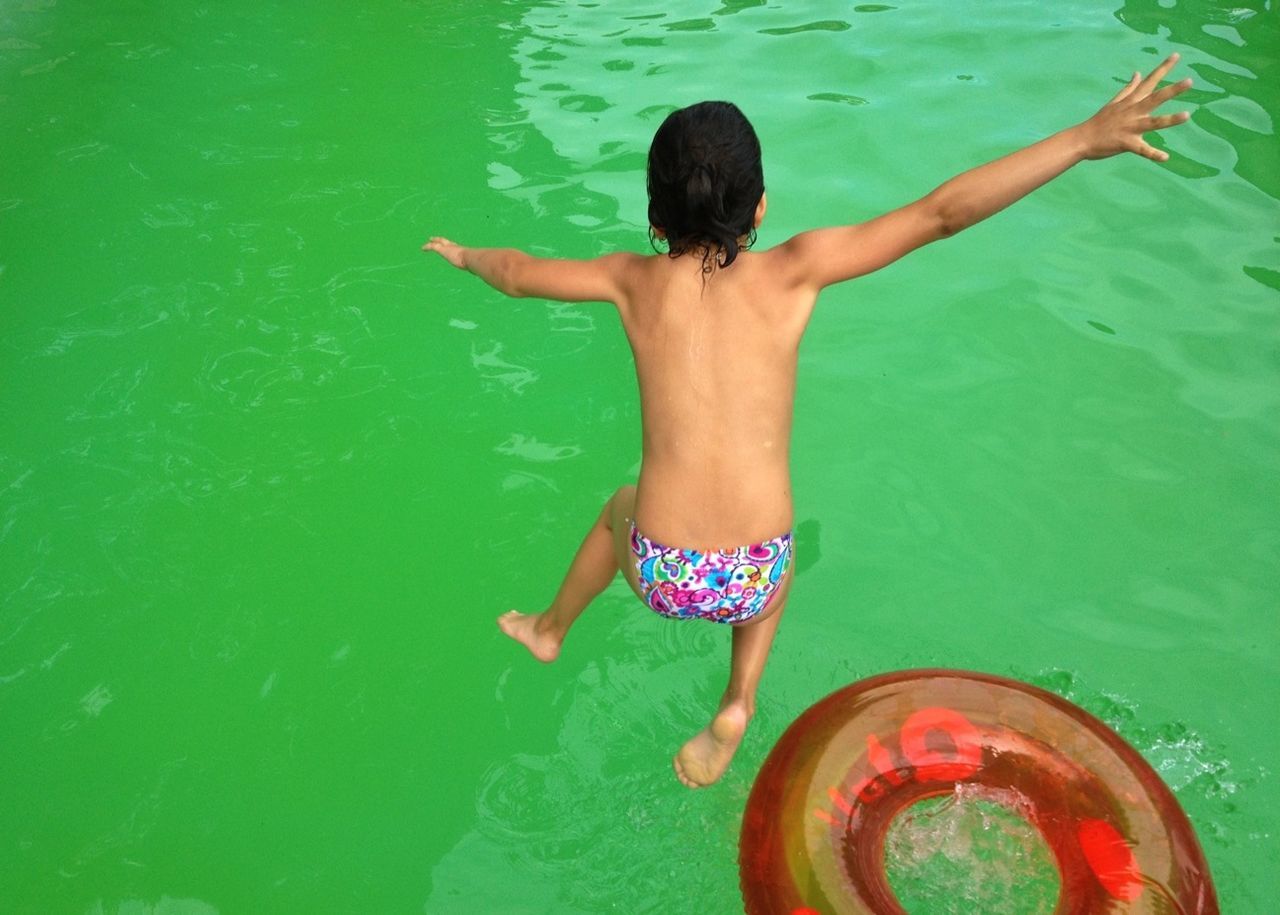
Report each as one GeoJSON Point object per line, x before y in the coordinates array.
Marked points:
{"type": "Point", "coordinates": [724, 586]}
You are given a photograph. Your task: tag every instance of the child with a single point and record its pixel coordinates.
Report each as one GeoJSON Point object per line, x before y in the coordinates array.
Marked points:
{"type": "Point", "coordinates": [715, 331]}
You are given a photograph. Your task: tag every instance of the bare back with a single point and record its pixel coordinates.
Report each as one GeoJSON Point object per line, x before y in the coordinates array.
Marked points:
{"type": "Point", "coordinates": [716, 364]}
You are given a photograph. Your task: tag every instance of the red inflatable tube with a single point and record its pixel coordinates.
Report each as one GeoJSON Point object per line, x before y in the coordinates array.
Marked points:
{"type": "Point", "coordinates": [814, 829]}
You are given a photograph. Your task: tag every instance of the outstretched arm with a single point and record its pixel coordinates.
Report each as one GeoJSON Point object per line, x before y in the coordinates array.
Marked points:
{"type": "Point", "coordinates": [826, 256]}
{"type": "Point", "coordinates": [517, 274]}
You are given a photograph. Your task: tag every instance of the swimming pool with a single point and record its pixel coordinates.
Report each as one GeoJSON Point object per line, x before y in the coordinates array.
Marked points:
{"type": "Point", "coordinates": [267, 476]}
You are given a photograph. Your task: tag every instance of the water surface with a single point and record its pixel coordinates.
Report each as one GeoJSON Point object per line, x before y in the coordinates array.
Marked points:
{"type": "Point", "coordinates": [267, 475]}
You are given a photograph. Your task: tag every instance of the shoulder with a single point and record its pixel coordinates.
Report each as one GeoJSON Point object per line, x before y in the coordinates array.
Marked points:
{"type": "Point", "coordinates": [820, 257]}
{"type": "Point", "coordinates": [776, 279]}
{"type": "Point", "coordinates": [785, 264]}
{"type": "Point", "coordinates": [623, 263]}
{"type": "Point", "coordinates": [626, 272]}
{"type": "Point", "coordinates": [621, 267]}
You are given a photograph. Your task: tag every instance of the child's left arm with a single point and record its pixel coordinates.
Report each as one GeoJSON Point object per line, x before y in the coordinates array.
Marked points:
{"type": "Point", "coordinates": [517, 274]}
{"type": "Point", "coordinates": [822, 257]}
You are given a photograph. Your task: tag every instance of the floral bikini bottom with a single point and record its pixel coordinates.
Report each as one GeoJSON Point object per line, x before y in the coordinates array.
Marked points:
{"type": "Point", "coordinates": [723, 586]}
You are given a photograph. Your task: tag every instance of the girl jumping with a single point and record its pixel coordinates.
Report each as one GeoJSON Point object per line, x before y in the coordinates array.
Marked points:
{"type": "Point", "coordinates": [705, 533]}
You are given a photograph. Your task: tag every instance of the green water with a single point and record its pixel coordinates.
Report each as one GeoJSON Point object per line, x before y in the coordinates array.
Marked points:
{"type": "Point", "coordinates": [267, 474]}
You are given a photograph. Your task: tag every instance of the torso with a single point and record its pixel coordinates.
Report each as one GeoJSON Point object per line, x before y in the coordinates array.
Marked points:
{"type": "Point", "coordinates": [717, 373]}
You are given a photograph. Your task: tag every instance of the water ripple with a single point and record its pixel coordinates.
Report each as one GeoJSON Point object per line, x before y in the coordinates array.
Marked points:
{"type": "Point", "coordinates": [822, 25]}
{"type": "Point", "coordinates": [622, 721]}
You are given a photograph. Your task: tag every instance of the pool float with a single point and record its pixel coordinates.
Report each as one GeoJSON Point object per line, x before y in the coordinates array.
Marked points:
{"type": "Point", "coordinates": [813, 834]}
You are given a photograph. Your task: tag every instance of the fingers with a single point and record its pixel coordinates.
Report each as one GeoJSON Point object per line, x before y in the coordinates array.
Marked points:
{"type": "Point", "coordinates": [1154, 77]}
{"type": "Point", "coordinates": [1161, 96]}
{"type": "Point", "coordinates": [1147, 151]}
{"type": "Point", "coordinates": [1166, 120]}
{"type": "Point", "coordinates": [1128, 88]}
{"type": "Point", "coordinates": [451, 251]}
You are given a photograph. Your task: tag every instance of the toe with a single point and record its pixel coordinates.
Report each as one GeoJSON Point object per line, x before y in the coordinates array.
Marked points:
{"type": "Point", "coordinates": [684, 777]}
{"type": "Point", "coordinates": [675, 764]}
{"type": "Point", "coordinates": [507, 622]}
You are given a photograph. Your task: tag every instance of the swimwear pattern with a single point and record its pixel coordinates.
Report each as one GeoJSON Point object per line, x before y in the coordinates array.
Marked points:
{"type": "Point", "coordinates": [723, 586]}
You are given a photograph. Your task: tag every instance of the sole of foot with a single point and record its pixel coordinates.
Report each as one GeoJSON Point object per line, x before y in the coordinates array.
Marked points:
{"type": "Point", "coordinates": [708, 753]}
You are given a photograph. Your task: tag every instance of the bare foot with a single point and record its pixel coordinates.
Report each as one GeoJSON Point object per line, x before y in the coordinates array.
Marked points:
{"type": "Point", "coordinates": [704, 758]}
{"type": "Point", "coordinates": [523, 627]}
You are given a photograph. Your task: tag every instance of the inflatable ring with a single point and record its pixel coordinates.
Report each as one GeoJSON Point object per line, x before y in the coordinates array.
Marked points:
{"type": "Point", "coordinates": [814, 830]}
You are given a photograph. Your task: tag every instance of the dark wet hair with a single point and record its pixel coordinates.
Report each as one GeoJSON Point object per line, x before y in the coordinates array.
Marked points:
{"type": "Point", "coordinates": [705, 180]}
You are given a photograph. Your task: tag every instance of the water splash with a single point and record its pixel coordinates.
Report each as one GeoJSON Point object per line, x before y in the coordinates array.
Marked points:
{"type": "Point", "coordinates": [971, 851]}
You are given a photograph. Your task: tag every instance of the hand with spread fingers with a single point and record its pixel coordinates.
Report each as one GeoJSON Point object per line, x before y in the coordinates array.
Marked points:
{"type": "Point", "coordinates": [1118, 127]}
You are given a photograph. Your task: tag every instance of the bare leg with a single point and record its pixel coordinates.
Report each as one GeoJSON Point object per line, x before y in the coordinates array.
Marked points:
{"type": "Point", "coordinates": [593, 567]}
{"type": "Point", "coordinates": [705, 757]}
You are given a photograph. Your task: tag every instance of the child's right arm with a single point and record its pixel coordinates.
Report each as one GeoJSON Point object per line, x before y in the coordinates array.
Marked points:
{"type": "Point", "coordinates": [825, 256]}
{"type": "Point", "coordinates": [514, 273]}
